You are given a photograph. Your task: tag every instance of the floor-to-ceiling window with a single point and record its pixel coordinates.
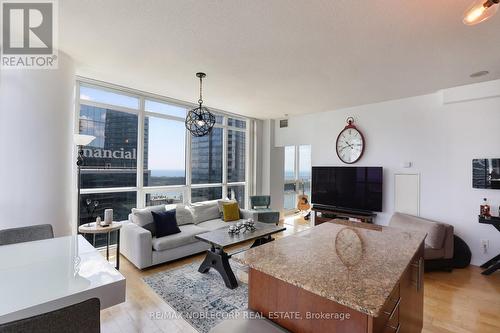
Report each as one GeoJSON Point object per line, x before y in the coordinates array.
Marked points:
{"type": "Point", "coordinates": [297, 170]}
{"type": "Point", "coordinates": [290, 188]}
{"type": "Point", "coordinates": [144, 156]}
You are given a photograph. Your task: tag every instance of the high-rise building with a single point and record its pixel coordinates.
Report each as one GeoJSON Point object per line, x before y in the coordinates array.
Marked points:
{"type": "Point", "coordinates": [110, 160]}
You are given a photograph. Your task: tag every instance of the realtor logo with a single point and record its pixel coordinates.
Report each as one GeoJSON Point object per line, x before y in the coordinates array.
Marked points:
{"type": "Point", "coordinates": [29, 34]}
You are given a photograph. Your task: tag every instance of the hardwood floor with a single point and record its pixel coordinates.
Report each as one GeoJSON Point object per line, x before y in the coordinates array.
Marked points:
{"type": "Point", "coordinates": [457, 302]}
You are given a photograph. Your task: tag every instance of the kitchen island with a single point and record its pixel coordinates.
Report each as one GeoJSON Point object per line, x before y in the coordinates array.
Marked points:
{"type": "Point", "coordinates": [339, 277]}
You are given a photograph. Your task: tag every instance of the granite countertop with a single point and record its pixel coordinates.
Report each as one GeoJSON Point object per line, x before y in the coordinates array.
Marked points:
{"type": "Point", "coordinates": [353, 264]}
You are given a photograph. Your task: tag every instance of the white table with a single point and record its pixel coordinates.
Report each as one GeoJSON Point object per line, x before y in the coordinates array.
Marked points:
{"type": "Point", "coordinates": [41, 276]}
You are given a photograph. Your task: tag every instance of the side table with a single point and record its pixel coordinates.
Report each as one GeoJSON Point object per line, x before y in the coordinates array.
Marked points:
{"type": "Point", "coordinates": [92, 228]}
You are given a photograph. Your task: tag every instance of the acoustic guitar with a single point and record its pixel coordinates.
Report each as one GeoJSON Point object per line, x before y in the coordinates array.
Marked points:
{"type": "Point", "coordinates": [303, 201]}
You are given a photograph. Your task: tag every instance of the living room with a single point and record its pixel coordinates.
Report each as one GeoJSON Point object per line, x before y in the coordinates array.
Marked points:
{"type": "Point", "coordinates": [258, 166]}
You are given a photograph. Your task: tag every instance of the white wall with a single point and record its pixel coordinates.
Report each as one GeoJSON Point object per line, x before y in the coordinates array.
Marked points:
{"type": "Point", "coordinates": [36, 122]}
{"type": "Point", "coordinates": [439, 138]}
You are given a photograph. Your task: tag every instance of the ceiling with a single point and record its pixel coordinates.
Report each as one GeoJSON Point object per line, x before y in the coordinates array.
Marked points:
{"type": "Point", "coordinates": [267, 58]}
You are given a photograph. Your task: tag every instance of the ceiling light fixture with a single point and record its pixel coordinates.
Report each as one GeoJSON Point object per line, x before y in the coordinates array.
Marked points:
{"type": "Point", "coordinates": [480, 11]}
{"type": "Point", "coordinates": [200, 121]}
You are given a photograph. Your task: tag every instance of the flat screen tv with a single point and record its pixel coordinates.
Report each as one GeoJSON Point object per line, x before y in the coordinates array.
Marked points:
{"type": "Point", "coordinates": [352, 188]}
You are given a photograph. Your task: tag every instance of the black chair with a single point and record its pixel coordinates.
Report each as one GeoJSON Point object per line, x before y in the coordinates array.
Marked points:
{"type": "Point", "coordinates": [26, 234]}
{"type": "Point", "coordinates": [84, 317]}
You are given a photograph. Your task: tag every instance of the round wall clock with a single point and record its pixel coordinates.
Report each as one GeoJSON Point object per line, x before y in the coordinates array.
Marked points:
{"type": "Point", "coordinates": [350, 143]}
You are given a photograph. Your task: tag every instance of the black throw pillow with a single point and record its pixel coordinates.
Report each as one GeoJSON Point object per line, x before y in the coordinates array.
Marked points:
{"type": "Point", "coordinates": [165, 223]}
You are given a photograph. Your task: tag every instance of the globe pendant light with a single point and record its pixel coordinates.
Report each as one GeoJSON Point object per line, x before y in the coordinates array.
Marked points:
{"type": "Point", "coordinates": [480, 11]}
{"type": "Point", "coordinates": [200, 121]}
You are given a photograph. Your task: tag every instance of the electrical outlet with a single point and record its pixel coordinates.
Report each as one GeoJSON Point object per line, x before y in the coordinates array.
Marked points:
{"type": "Point", "coordinates": [485, 244]}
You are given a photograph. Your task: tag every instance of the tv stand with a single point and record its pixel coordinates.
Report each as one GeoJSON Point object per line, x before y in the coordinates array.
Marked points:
{"type": "Point", "coordinates": [325, 213]}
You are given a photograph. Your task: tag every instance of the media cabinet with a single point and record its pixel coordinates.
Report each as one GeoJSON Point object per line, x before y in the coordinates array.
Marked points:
{"type": "Point", "coordinates": [324, 214]}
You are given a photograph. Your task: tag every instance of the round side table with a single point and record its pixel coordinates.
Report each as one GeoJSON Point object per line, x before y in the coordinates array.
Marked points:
{"type": "Point", "coordinates": [92, 228]}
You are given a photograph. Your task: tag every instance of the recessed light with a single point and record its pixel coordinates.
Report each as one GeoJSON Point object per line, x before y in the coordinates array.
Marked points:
{"type": "Point", "coordinates": [479, 74]}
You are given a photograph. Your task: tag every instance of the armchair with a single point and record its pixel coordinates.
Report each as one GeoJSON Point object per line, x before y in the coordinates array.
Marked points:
{"type": "Point", "coordinates": [260, 205]}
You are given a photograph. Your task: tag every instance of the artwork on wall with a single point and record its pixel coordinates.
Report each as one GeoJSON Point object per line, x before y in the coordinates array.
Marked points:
{"type": "Point", "coordinates": [486, 173]}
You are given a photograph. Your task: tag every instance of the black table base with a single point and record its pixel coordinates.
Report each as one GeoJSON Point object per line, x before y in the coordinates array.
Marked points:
{"type": "Point", "coordinates": [218, 259]}
{"type": "Point", "coordinates": [491, 265]}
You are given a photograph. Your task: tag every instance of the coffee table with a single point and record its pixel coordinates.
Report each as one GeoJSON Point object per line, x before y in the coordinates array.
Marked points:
{"type": "Point", "coordinates": [218, 259]}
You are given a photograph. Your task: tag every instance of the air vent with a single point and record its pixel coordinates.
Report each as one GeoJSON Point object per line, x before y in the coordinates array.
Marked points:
{"type": "Point", "coordinates": [283, 123]}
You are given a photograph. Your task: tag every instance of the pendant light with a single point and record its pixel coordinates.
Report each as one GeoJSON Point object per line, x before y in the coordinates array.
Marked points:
{"type": "Point", "coordinates": [200, 121]}
{"type": "Point", "coordinates": [480, 11]}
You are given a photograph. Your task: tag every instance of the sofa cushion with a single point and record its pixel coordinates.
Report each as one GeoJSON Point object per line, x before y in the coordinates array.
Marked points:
{"type": "Point", "coordinates": [143, 217]}
{"type": "Point", "coordinates": [215, 224]}
{"type": "Point", "coordinates": [231, 212]}
{"type": "Point", "coordinates": [220, 204]}
{"type": "Point", "coordinates": [165, 223]}
{"type": "Point", "coordinates": [205, 211]}
{"type": "Point", "coordinates": [435, 230]}
{"type": "Point", "coordinates": [430, 253]}
{"type": "Point", "coordinates": [184, 214]}
{"type": "Point", "coordinates": [186, 236]}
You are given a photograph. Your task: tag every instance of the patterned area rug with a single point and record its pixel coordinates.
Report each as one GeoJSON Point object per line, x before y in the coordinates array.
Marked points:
{"type": "Point", "coordinates": [201, 299]}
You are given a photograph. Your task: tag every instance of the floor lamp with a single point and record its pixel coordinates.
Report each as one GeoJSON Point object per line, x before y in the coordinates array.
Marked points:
{"type": "Point", "coordinates": [80, 141]}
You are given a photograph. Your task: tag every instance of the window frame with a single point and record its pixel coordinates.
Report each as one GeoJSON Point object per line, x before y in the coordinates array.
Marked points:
{"type": "Point", "coordinates": [142, 190]}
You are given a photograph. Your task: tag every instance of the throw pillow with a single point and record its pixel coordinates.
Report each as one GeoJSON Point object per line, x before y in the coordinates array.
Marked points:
{"type": "Point", "coordinates": [221, 203]}
{"type": "Point", "coordinates": [184, 214]}
{"type": "Point", "coordinates": [143, 218]}
{"type": "Point", "coordinates": [231, 212]}
{"type": "Point", "coordinates": [165, 223]}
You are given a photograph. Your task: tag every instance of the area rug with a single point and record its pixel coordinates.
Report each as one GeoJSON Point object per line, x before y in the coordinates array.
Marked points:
{"type": "Point", "coordinates": [203, 300]}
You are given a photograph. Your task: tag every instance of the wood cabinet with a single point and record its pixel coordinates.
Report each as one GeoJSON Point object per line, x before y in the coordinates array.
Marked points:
{"type": "Point", "coordinates": [325, 215]}
{"type": "Point", "coordinates": [404, 309]}
{"type": "Point", "coordinates": [412, 295]}
{"type": "Point", "coordinates": [402, 312]}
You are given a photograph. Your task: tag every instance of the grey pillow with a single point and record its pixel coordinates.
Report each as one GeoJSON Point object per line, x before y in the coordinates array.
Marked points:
{"type": "Point", "coordinates": [205, 211]}
{"type": "Point", "coordinates": [144, 219]}
{"type": "Point", "coordinates": [184, 214]}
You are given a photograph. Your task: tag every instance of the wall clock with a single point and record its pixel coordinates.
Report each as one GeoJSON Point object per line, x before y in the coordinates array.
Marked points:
{"type": "Point", "coordinates": [350, 143]}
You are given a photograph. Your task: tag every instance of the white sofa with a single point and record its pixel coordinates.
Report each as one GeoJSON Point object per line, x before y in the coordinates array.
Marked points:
{"type": "Point", "coordinates": [141, 248]}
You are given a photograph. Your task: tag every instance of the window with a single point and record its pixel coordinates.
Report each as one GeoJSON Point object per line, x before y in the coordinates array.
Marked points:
{"type": "Point", "coordinates": [236, 154]}
{"type": "Point", "coordinates": [297, 168]}
{"type": "Point", "coordinates": [111, 159]}
{"type": "Point", "coordinates": [107, 97]}
{"type": "Point", "coordinates": [290, 196]}
{"type": "Point", "coordinates": [237, 193]}
{"type": "Point", "coordinates": [236, 123]}
{"type": "Point", "coordinates": [165, 108]}
{"type": "Point", "coordinates": [206, 194]}
{"type": "Point", "coordinates": [290, 163]}
{"type": "Point", "coordinates": [170, 199]}
{"type": "Point", "coordinates": [144, 156]}
{"type": "Point", "coordinates": [164, 152]}
{"type": "Point", "coordinates": [305, 168]}
{"type": "Point", "coordinates": [93, 205]}
{"type": "Point", "coordinates": [206, 158]}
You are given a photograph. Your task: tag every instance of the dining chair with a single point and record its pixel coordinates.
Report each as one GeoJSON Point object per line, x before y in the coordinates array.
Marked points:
{"type": "Point", "coordinates": [26, 234]}
{"type": "Point", "coordinates": [84, 317]}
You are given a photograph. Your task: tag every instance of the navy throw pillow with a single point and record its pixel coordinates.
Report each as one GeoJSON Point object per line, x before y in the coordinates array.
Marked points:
{"type": "Point", "coordinates": [165, 223]}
